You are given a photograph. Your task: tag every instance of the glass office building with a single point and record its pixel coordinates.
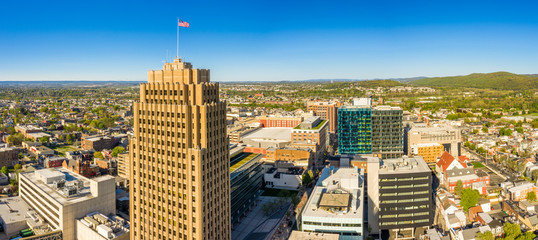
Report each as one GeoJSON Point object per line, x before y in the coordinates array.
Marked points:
{"type": "Point", "coordinates": [375, 130]}
{"type": "Point", "coordinates": [245, 182]}
{"type": "Point", "coordinates": [354, 130]}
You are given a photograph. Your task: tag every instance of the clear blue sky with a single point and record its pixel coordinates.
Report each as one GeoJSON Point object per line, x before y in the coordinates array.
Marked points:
{"type": "Point", "coordinates": [267, 40]}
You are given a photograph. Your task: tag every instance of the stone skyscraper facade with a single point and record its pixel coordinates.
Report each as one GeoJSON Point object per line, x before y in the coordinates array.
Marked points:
{"type": "Point", "coordinates": [180, 173]}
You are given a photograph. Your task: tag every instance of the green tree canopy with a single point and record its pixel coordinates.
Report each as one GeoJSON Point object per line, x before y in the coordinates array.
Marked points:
{"type": "Point", "coordinates": [469, 198]}
{"type": "Point", "coordinates": [98, 155]}
{"type": "Point", "coordinates": [485, 236]}
{"type": "Point", "coordinates": [459, 188]}
{"type": "Point", "coordinates": [534, 174]}
{"type": "Point", "coordinates": [4, 170]}
{"type": "Point", "coordinates": [69, 139]}
{"type": "Point", "coordinates": [531, 196]}
{"type": "Point", "coordinates": [511, 230]}
{"type": "Point", "coordinates": [17, 166]}
{"type": "Point", "coordinates": [15, 139]}
{"type": "Point", "coordinates": [44, 139]}
{"type": "Point", "coordinates": [306, 179]}
{"type": "Point", "coordinates": [117, 150]}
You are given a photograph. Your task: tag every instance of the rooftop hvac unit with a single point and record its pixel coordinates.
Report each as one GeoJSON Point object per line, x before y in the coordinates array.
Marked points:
{"type": "Point", "coordinates": [91, 221]}
{"type": "Point", "coordinates": [101, 218]}
{"type": "Point", "coordinates": [80, 184]}
{"type": "Point", "coordinates": [59, 184]}
{"type": "Point", "coordinates": [69, 191]}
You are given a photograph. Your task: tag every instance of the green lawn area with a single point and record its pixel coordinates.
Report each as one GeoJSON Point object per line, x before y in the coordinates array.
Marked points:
{"type": "Point", "coordinates": [273, 192]}
{"type": "Point", "coordinates": [65, 148]}
{"type": "Point", "coordinates": [478, 165]}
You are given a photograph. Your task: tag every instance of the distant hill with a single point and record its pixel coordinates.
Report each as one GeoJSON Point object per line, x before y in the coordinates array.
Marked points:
{"type": "Point", "coordinates": [379, 83]}
{"type": "Point", "coordinates": [496, 80]}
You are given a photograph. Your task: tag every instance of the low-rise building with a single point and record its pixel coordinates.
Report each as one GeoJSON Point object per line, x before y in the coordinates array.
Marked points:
{"type": "Point", "coordinates": [283, 178]}
{"type": "Point", "coordinates": [276, 137]}
{"type": "Point", "coordinates": [283, 121]}
{"type": "Point", "coordinates": [54, 162]}
{"type": "Point", "coordinates": [469, 178]}
{"type": "Point", "coordinates": [97, 226]}
{"type": "Point", "coordinates": [97, 143]}
{"type": "Point", "coordinates": [25, 129]}
{"type": "Point", "coordinates": [299, 235]}
{"type": "Point", "coordinates": [82, 167]}
{"type": "Point", "coordinates": [60, 196]}
{"type": "Point", "coordinates": [300, 157]}
{"type": "Point", "coordinates": [519, 192]}
{"type": "Point", "coordinates": [41, 151]}
{"type": "Point", "coordinates": [336, 204]}
{"type": "Point", "coordinates": [9, 156]}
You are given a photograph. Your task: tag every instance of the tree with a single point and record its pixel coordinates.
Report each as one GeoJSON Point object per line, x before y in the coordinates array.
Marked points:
{"type": "Point", "coordinates": [4, 170]}
{"type": "Point", "coordinates": [531, 196]}
{"type": "Point", "coordinates": [306, 179]}
{"type": "Point", "coordinates": [459, 188]}
{"type": "Point", "coordinates": [69, 139]}
{"type": "Point", "coordinates": [485, 130]}
{"type": "Point", "coordinates": [17, 166]}
{"type": "Point", "coordinates": [44, 139]}
{"type": "Point", "coordinates": [475, 131]}
{"type": "Point", "coordinates": [485, 236]}
{"type": "Point", "coordinates": [15, 139]}
{"type": "Point", "coordinates": [117, 150]}
{"type": "Point", "coordinates": [469, 198]}
{"type": "Point", "coordinates": [295, 200]}
{"type": "Point", "coordinates": [534, 174]}
{"type": "Point", "coordinates": [511, 230]}
{"type": "Point", "coordinates": [98, 155]}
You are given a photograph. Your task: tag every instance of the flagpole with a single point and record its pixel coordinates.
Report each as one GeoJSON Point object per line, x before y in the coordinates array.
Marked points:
{"type": "Point", "coordinates": [177, 49]}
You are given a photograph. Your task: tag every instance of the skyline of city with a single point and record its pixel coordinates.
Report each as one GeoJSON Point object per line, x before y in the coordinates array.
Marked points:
{"type": "Point", "coordinates": [359, 40]}
{"type": "Point", "coordinates": [197, 145]}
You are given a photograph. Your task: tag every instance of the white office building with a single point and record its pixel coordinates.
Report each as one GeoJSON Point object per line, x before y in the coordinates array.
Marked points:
{"type": "Point", "coordinates": [336, 204]}
{"type": "Point", "coordinates": [60, 196]}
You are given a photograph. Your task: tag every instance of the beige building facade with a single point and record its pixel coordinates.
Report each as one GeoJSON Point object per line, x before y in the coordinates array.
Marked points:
{"type": "Point", "coordinates": [61, 196]}
{"type": "Point", "coordinates": [180, 173]}
{"type": "Point", "coordinates": [448, 136]}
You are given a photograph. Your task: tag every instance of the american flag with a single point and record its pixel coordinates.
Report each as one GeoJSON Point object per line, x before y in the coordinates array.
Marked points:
{"type": "Point", "coordinates": [182, 23]}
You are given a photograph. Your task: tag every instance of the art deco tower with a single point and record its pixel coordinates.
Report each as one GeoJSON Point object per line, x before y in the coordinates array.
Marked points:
{"type": "Point", "coordinates": [180, 174]}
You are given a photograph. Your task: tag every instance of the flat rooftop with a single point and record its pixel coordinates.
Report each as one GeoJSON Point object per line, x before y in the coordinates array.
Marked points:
{"type": "Point", "coordinates": [403, 165]}
{"type": "Point", "coordinates": [318, 126]}
{"type": "Point", "coordinates": [298, 235]}
{"type": "Point", "coordinates": [338, 194]}
{"type": "Point", "coordinates": [71, 178]}
{"type": "Point", "coordinates": [105, 225]}
{"type": "Point", "coordinates": [386, 107]}
{"type": "Point", "coordinates": [240, 159]}
{"type": "Point", "coordinates": [13, 209]}
{"type": "Point", "coordinates": [334, 200]}
{"type": "Point", "coordinates": [274, 133]}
